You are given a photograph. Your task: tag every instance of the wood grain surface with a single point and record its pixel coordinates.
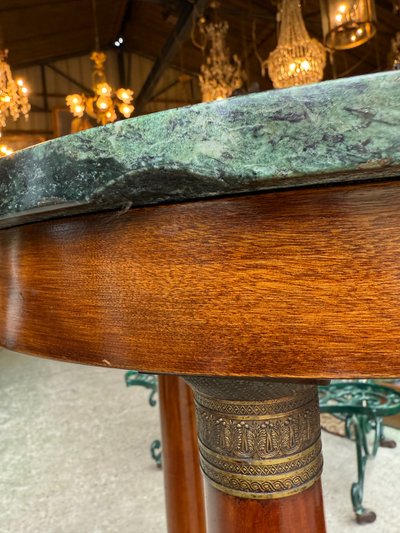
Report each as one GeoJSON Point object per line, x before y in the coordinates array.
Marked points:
{"type": "Point", "coordinates": [183, 480]}
{"type": "Point", "coordinates": [301, 513]}
{"type": "Point", "coordinates": [302, 284]}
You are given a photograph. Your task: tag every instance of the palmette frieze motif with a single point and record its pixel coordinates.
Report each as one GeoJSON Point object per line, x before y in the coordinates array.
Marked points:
{"type": "Point", "coordinates": [267, 448]}
{"type": "Point", "coordinates": [261, 437]}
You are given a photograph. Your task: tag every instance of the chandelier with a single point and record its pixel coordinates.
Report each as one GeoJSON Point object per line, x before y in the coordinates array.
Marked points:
{"type": "Point", "coordinates": [13, 94]}
{"type": "Point", "coordinates": [106, 103]}
{"type": "Point", "coordinates": [221, 74]}
{"type": "Point", "coordinates": [298, 59]}
{"type": "Point", "coordinates": [347, 24]}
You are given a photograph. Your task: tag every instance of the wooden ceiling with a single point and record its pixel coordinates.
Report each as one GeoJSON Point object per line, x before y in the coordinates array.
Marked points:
{"type": "Point", "coordinates": [41, 31]}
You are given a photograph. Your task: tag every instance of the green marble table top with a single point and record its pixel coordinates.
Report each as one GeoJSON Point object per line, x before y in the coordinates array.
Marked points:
{"type": "Point", "coordinates": [333, 132]}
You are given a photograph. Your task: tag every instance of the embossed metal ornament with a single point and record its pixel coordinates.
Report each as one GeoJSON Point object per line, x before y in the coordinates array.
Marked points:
{"type": "Point", "coordinates": [261, 449]}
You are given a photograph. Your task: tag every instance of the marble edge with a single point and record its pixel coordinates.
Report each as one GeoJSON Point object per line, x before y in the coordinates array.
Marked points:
{"type": "Point", "coordinates": [339, 131]}
{"type": "Point", "coordinates": [68, 209]}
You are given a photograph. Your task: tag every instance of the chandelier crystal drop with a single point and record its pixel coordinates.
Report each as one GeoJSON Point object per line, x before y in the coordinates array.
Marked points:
{"type": "Point", "coordinates": [13, 94]}
{"type": "Point", "coordinates": [106, 103]}
{"type": "Point", "coordinates": [298, 59]}
{"type": "Point", "coordinates": [220, 74]}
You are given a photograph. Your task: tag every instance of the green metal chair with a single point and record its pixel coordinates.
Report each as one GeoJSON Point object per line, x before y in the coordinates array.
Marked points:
{"type": "Point", "coordinates": [361, 405]}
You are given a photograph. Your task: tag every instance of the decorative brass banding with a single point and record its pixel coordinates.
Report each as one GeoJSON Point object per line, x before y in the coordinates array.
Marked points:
{"type": "Point", "coordinates": [267, 448]}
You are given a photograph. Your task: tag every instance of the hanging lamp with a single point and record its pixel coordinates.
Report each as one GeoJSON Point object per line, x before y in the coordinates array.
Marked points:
{"type": "Point", "coordinates": [347, 24]}
{"type": "Point", "coordinates": [221, 73]}
{"type": "Point", "coordinates": [13, 93]}
{"type": "Point", "coordinates": [298, 59]}
{"type": "Point", "coordinates": [105, 104]}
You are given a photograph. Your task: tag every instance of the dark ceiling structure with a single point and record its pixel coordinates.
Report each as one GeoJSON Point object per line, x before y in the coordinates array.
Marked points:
{"type": "Point", "coordinates": [42, 31]}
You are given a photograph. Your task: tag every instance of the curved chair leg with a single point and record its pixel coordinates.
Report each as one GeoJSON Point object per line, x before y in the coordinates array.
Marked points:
{"type": "Point", "coordinates": [155, 452]}
{"type": "Point", "coordinates": [360, 425]}
{"type": "Point", "coordinates": [362, 404]}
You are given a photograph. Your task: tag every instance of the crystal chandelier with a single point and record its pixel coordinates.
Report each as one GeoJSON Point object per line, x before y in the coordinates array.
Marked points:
{"type": "Point", "coordinates": [104, 105]}
{"type": "Point", "coordinates": [13, 94]}
{"type": "Point", "coordinates": [347, 24]}
{"type": "Point", "coordinates": [221, 74]}
{"type": "Point", "coordinates": [298, 59]}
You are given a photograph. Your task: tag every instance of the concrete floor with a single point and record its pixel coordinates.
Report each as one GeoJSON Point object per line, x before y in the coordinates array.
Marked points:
{"type": "Point", "coordinates": [74, 457]}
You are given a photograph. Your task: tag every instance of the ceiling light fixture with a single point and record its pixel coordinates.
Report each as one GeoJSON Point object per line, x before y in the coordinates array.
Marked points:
{"type": "Point", "coordinates": [298, 59]}
{"type": "Point", "coordinates": [13, 94]}
{"type": "Point", "coordinates": [221, 74]}
{"type": "Point", "coordinates": [106, 103]}
{"type": "Point", "coordinates": [347, 24]}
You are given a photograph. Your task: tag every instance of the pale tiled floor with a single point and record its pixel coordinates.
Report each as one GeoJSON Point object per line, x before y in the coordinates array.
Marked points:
{"type": "Point", "coordinates": [74, 457]}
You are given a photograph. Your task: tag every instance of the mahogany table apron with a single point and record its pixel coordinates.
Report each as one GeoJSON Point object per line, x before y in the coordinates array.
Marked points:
{"type": "Point", "coordinates": [252, 299]}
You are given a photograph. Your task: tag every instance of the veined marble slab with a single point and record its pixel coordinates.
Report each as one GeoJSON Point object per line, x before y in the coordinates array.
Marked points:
{"type": "Point", "coordinates": [332, 132]}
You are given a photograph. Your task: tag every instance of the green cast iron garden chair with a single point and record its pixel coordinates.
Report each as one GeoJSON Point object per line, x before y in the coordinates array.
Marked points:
{"type": "Point", "coordinates": [361, 405]}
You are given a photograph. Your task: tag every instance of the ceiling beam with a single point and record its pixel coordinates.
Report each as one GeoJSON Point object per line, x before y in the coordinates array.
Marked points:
{"type": "Point", "coordinates": [170, 48]}
{"type": "Point", "coordinates": [122, 18]}
{"type": "Point", "coordinates": [46, 61]}
{"type": "Point", "coordinates": [69, 78]}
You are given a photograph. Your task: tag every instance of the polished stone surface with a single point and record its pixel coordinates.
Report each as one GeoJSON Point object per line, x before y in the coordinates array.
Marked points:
{"type": "Point", "coordinates": [335, 131]}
